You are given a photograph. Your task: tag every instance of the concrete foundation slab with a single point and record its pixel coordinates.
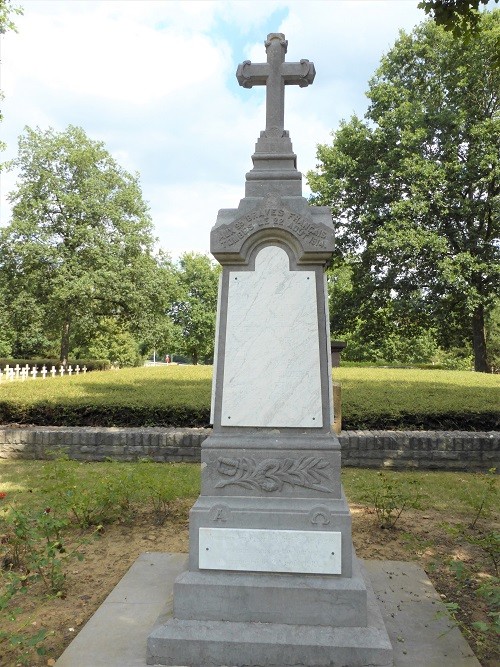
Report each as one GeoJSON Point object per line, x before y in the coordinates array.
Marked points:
{"type": "Point", "coordinates": [116, 635]}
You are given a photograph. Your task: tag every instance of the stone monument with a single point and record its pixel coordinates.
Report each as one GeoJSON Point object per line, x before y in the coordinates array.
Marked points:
{"type": "Point", "coordinates": [272, 576]}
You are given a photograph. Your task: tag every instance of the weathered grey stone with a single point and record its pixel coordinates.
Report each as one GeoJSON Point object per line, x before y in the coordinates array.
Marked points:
{"type": "Point", "coordinates": [278, 598]}
{"type": "Point", "coordinates": [271, 467]}
{"type": "Point", "coordinates": [476, 450]}
{"type": "Point", "coordinates": [210, 642]}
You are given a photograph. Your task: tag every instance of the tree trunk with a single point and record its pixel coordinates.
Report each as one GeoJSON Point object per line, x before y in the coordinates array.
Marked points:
{"type": "Point", "coordinates": [195, 358]}
{"type": "Point", "coordinates": [479, 341]}
{"type": "Point", "coordinates": [65, 342]}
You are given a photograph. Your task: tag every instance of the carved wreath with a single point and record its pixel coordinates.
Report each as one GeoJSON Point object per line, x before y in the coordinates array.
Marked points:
{"type": "Point", "coordinates": [271, 474]}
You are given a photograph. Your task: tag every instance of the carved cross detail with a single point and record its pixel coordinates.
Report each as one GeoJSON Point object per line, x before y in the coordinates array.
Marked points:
{"type": "Point", "coordinates": [275, 75]}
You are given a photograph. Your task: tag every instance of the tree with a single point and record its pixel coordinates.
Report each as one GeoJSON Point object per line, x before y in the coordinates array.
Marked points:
{"type": "Point", "coordinates": [79, 246]}
{"type": "Point", "coordinates": [194, 312]}
{"type": "Point", "coordinates": [7, 10]}
{"type": "Point", "coordinates": [158, 332]}
{"type": "Point", "coordinates": [461, 17]}
{"type": "Point", "coordinates": [415, 186]}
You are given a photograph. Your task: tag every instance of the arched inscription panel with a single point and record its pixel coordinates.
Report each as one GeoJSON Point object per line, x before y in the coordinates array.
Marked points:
{"type": "Point", "coordinates": [272, 364]}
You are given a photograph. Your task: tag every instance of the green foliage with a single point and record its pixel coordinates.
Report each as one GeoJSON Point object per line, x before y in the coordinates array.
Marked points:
{"type": "Point", "coordinates": [493, 337]}
{"type": "Point", "coordinates": [391, 496]}
{"type": "Point", "coordinates": [79, 246]}
{"type": "Point", "coordinates": [415, 191]}
{"type": "Point", "coordinates": [161, 484]}
{"type": "Point", "coordinates": [90, 505]}
{"type": "Point", "coordinates": [489, 542]}
{"type": "Point", "coordinates": [461, 17]}
{"type": "Point", "coordinates": [7, 12]}
{"type": "Point", "coordinates": [489, 590]}
{"type": "Point", "coordinates": [33, 549]}
{"type": "Point", "coordinates": [35, 529]}
{"type": "Point", "coordinates": [484, 497]}
{"type": "Point", "coordinates": [194, 310]}
{"type": "Point", "coordinates": [112, 341]}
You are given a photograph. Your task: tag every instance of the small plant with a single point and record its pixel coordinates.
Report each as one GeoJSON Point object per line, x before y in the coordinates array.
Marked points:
{"type": "Point", "coordinates": [460, 570]}
{"type": "Point", "coordinates": [159, 491]}
{"type": "Point", "coordinates": [390, 497]}
{"type": "Point", "coordinates": [90, 504]}
{"type": "Point", "coordinates": [490, 592]}
{"type": "Point", "coordinates": [26, 643]}
{"type": "Point", "coordinates": [415, 544]}
{"type": "Point", "coordinates": [489, 542]}
{"type": "Point", "coordinates": [483, 501]}
{"type": "Point", "coordinates": [33, 545]}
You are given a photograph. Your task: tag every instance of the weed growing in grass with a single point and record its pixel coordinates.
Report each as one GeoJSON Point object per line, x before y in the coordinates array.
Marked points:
{"type": "Point", "coordinates": [483, 496]}
{"type": "Point", "coordinates": [26, 642]}
{"type": "Point", "coordinates": [489, 542]}
{"type": "Point", "coordinates": [100, 501]}
{"type": "Point", "coordinates": [483, 633]}
{"type": "Point", "coordinates": [490, 592]}
{"type": "Point", "coordinates": [35, 530]}
{"type": "Point", "coordinates": [391, 496]}
{"type": "Point", "coordinates": [416, 544]}
{"type": "Point", "coordinates": [160, 489]}
{"type": "Point", "coordinates": [32, 551]}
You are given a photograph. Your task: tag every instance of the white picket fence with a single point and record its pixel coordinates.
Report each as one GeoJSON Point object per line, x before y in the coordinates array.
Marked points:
{"type": "Point", "coordinates": [26, 373]}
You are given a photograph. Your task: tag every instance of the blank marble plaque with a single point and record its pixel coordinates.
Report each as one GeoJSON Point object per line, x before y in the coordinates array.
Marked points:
{"type": "Point", "coordinates": [272, 366]}
{"type": "Point", "coordinates": [255, 550]}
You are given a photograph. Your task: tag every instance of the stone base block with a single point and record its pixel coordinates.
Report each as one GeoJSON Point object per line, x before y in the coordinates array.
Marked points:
{"type": "Point", "coordinates": [272, 598]}
{"type": "Point", "coordinates": [210, 643]}
{"type": "Point", "coordinates": [272, 514]}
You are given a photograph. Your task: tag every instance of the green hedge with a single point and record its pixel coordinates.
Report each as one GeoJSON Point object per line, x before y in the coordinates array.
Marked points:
{"type": "Point", "coordinates": [187, 416]}
{"type": "Point", "coordinates": [453, 421]}
{"type": "Point", "coordinates": [372, 398]}
{"type": "Point", "coordinates": [45, 414]}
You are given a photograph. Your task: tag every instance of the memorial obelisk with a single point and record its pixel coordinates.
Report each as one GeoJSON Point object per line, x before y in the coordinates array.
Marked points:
{"type": "Point", "coordinates": [272, 578]}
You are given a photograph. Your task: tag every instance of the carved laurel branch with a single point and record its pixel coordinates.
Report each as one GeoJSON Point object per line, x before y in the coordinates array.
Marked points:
{"type": "Point", "coordinates": [271, 474]}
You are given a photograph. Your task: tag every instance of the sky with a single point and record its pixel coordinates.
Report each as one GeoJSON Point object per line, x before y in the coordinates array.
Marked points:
{"type": "Point", "coordinates": [155, 81]}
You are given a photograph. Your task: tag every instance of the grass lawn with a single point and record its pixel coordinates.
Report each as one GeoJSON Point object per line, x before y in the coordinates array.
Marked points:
{"type": "Point", "coordinates": [70, 530]}
{"type": "Point", "coordinates": [180, 396]}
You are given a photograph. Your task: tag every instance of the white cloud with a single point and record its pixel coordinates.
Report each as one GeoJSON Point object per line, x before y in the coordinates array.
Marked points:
{"type": "Point", "coordinates": [155, 81]}
{"type": "Point", "coordinates": [186, 213]}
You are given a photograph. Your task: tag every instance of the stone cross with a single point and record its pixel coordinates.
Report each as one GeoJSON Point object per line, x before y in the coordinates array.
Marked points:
{"type": "Point", "coordinates": [275, 75]}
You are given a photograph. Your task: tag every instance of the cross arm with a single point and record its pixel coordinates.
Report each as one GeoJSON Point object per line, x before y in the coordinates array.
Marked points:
{"type": "Point", "coordinates": [252, 74]}
{"type": "Point", "coordinates": [255, 74]}
{"type": "Point", "coordinates": [299, 74]}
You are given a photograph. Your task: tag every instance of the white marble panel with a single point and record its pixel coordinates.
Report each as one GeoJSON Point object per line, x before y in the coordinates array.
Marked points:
{"type": "Point", "coordinates": [256, 550]}
{"type": "Point", "coordinates": [272, 366]}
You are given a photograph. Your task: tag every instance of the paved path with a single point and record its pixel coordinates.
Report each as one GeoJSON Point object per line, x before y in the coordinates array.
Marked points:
{"type": "Point", "coordinates": [116, 635]}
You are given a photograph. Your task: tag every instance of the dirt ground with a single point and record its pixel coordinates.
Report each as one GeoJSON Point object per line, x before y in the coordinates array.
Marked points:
{"type": "Point", "coordinates": [419, 536]}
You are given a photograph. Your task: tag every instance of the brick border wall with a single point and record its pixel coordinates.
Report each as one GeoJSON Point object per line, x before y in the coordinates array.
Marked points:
{"type": "Point", "coordinates": [427, 450]}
